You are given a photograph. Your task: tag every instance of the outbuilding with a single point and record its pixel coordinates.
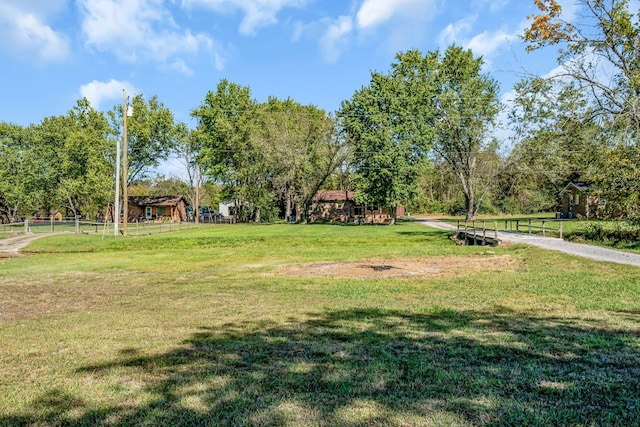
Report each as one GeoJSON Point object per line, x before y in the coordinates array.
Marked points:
{"type": "Point", "coordinates": [578, 200]}
{"type": "Point", "coordinates": [340, 206]}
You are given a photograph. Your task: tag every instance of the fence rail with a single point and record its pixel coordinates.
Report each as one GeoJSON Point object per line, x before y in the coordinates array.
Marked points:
{"type": "Point", "coordinates": [70, 225]}
{"type": "Point", "coordinates": [531, 225]}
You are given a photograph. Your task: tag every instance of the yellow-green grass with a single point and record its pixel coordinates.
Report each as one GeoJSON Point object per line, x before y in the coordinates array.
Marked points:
{"type": "Point", "coordinates": [203, 328]}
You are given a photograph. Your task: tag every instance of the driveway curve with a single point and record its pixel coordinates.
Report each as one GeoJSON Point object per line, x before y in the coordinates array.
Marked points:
{"type": "Point", "coordinates": [578, 249]}
{"type": "Point", "coordinates": [12, 245]}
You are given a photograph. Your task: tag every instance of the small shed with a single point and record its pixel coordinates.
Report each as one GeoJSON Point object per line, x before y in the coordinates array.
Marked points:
{"type": "Point", "coordinates": [578, 200]}
{"type": "Point", "coordinates": [227, 208]}
{"type": "Point", "coordinates": [152, 208]}
{"type": "Point", "coordinates": [55, 215]}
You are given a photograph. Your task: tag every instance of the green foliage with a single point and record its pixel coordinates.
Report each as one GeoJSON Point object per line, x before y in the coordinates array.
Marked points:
{"type": "Point", "coordinates": [604, 133]}
{"type": "Point", "coordinates": [62, 162]}
{"type": "Point", "coordinates": [150, 134]}
{"type": "Point", "coordinates": [557, 140]}
{"type": "Point", "coordinates": [227, 119]}
{"type": "Point", "coordinates": [387, 126]}
{"type": "Point", "coordinates": [437, 101]}
{"type": "Point", "coordinates": [620, 234]}
{"type": "Point", "coordinates": [271, 155]}
{"type": "Point", "coordinates": [21, 186]}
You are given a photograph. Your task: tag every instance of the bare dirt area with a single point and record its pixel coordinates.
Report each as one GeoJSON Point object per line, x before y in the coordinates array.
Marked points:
{"type": "Point", "coordinates": [405, 267]}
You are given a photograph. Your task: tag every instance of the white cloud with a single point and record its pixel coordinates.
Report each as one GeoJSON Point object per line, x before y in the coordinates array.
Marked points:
{"type": "Point", "coordinates": [456, 31]}
{"type": "Point", "coordinates": [375, 12]}
{"type": "Point", "coordinates": [140, 30]}
{"type": "Point", "coordinates": [257, 13]}
{"type": "Point", "coordinates": [23, 29]}
{"type": "Point", "coordinates": [331, 41]}
{"type": "Point", "coordinates": [98, 92]}
{"type": "Point", "coordinates": [486, 42]}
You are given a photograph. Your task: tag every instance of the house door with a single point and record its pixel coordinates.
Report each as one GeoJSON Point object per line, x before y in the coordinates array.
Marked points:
{"type": "Point", "coordinates": [148, 212]}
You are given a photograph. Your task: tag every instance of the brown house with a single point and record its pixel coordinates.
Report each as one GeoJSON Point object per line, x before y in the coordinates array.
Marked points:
{"type": "Point", "coordinates": [157, 208]}
{"type": "Point", "coordinates": [340, 206]}
{"type": "Point", "coordinates": [577, 200]}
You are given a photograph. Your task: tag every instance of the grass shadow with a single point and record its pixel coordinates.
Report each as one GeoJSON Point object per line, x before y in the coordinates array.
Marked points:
{"type": "Point", "coordinates": [366, 367]}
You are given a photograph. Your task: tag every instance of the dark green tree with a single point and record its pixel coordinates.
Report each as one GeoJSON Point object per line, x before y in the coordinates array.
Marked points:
{"type": "Point", "coordinates": [227, 121]}
{"type": "Point", "coordinates": [388, 125]}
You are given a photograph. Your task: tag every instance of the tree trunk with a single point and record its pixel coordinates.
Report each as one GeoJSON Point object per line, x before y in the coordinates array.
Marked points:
{"type": "Point", "coordinates": [392, 215]}
{"type": "Point", "coordinates": [257, 218]}
{"type": "Point", "coordinates": [470, 206]}
{"type": "Point", "coordinates": [287, 204]}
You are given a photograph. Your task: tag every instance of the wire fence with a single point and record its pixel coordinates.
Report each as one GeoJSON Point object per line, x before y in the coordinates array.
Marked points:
{"type": "Point", "coordinates": [70, 225]}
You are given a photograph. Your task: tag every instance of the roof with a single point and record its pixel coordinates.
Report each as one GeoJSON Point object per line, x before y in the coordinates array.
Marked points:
{"type": "Point", "coordinates": [333, 196]}
{"type": "Point", "coordinates": [583, 187]}
{"type": "Point", "coordinates": [156, 200]}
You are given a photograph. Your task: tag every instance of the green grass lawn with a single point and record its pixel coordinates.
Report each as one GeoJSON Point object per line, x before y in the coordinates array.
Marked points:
{"type": "Point", "coordinates": [209, 327]}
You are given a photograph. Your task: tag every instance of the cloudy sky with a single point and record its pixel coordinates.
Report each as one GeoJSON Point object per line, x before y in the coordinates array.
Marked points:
{"type": "Point", "coordinates": [314, 51]}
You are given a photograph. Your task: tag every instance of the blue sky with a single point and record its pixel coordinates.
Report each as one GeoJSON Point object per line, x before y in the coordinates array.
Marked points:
{"type": "Point", "coordinates": [314, 51]}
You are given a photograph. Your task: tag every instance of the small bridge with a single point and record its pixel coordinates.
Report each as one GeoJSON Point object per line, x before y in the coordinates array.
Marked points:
{"type": "Point", "coordinates": [487, 232]}
{"type": "Point", "coordinates": [478, 233]}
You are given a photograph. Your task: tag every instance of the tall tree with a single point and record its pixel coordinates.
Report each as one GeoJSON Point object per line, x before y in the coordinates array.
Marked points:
{"type": "Point", "coordinates": [227, 119]}
{"type": "Point", "coordinates": [599, 57]}
{"type": "Point", "coordinates": [85, 174]}
{"type": "Point", "coordinates": [150, 134]}
{"type": "Point", "coordinates": [300, 148]}
{"type": "Point", "coordinates": [556, 141]}
{"type": "Point", "coordinates": [443, 102]}
{"type": "Point", "coordinates": [599, 54]}
{"type": "Point", "coordinates": [21, 189]}
{"type": "Point", "coordinates": [387, 124]}
{"type": "Point", "coordinates": [466, 105]}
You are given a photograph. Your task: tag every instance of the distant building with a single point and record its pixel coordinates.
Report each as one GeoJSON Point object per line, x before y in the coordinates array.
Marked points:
{"type": "Point", "coordinates": [152, 208]}
{"type": "Point", "coordinates": [578, 200]}
{"type": "Point", "coordinates": [340, 206]}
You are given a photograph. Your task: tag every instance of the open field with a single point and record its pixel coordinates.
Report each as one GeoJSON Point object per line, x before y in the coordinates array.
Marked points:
{"type": "Point", "coordinates": [314, 325]}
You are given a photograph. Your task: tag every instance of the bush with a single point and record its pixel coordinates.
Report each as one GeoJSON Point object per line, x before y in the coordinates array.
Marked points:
{"type": "Point", "coordinates": [614, 233]}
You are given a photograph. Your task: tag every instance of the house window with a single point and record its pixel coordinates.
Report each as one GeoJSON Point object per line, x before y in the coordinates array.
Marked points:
{"type": "Point", "coordinates": [161, 210]}
{"type": "Point", "coordinates": [357, 210]}
{"type": "Point", "coordinates": [576, 199]}
{"type": "Point", "coordinates": [148, 212]}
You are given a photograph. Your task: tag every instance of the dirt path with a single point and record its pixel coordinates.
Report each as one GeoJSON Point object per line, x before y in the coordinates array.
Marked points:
{"type": "Point", "coordinates": [578, 249]}
{"type": "Point", "coordinates": [11, 246]}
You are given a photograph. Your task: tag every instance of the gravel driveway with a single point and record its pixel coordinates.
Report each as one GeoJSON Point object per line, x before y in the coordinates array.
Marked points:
{"type": "Point", "coordinates": [578, 249]}
{"type": "Point", "coordinates": [12, 245]}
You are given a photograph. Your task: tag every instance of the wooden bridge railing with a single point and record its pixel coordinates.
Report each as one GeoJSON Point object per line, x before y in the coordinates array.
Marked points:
{"type": "Point", "coordinates": [484, 235]}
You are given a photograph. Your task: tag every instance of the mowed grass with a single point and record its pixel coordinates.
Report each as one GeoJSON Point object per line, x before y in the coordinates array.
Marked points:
{"type": "Point", "coordinates": [203, 328]}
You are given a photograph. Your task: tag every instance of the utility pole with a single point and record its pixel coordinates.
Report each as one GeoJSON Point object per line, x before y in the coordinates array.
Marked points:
{"type": "Point", "coordinates": [125, 192]}
{"type": "Point", "coordinates": [116, 206]}
{"type": "Point", "coordinates": [197, 195]}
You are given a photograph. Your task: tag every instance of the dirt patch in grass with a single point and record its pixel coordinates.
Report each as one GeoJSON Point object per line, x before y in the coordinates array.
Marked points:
{"type": "Point", "coordinates": [406, 267]}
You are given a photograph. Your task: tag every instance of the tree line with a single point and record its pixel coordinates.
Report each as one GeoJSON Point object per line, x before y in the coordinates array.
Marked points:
{"type": "Point", "coordinates": [425, 135]}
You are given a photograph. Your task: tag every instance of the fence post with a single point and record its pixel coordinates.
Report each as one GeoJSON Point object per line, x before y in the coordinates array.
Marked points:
{"type": "Point", "coordinates": [496, 230]}
{"type": "Point", "coordinates": [529, 225]}
{"type": "Point", "coordinates": [26, 225]}
{"type": "Point", "coordinates": [484, 233]}
{"type": "Point", "coordinates": [560, 229]}
{"type": "Point", "coordinates": [543, 228]}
